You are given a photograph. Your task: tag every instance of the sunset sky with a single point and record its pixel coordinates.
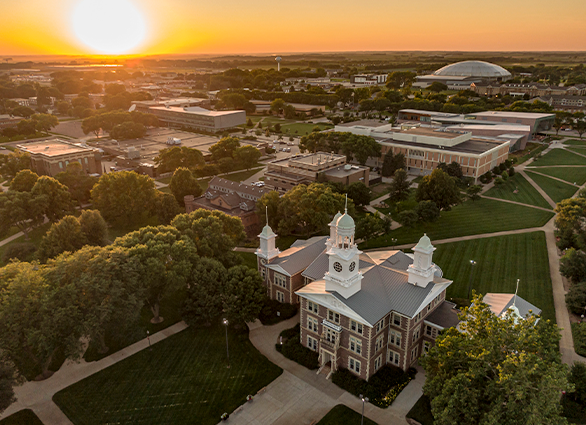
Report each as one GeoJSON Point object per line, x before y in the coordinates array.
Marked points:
{"type": "Point", "coordinates": [277, 26]}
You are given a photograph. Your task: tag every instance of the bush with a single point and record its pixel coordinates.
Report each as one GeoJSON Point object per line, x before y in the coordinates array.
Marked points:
{"type": "Point", "coordinates": [498, 181]}
{"type": "Point", "coordinates": [511, 172]}
{"type": "Point", "coordinates": [576, 298]}
{"type": "Point", "coordinates": [408, 218]}
{"type": "Point", "coordinates": [293, 350]}
{"type": "Point", "coordinates": [382, 388]}
{"type": "Point", "coordinates": [505, 175]}
{"type": "Point", "coordinates": [579, 335]}
{"type": "Point", "coordinates": [486, 177]}
{"type": "Point", "coordinates": [19, 251]}
{"type": "Point", "coordinates": [206, 170]}
{"type": "Point", "coordinates": [268, 314]}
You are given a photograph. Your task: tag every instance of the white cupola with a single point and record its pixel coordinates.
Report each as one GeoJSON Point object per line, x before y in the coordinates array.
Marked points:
{"type": "Point", "coordinates": [422, 270]}
{"type": "Point", "coordinates": [267, 250]}
{"type": "Point", "coordinates": [343, 275]}
{"type": "Point", "coordinates": [333, 233]}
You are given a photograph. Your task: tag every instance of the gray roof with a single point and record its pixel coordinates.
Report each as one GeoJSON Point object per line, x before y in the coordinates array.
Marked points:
{"type": "Point", "coordinates": [445, 316]}
{"type": "Point", "coordinates": [473, 69]}
{"type": "Point", "coordinates": [300, 255]}
{"type": "Point", "coordinates": [500, 303]}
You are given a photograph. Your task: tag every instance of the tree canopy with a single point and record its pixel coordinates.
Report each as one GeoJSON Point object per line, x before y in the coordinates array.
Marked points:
{"type": "Point", "coordinates": [182, 184]}
{"type": "Point", "coordinates": [169, 159]}
{"type": "Point", "coordinates": [440, 188]}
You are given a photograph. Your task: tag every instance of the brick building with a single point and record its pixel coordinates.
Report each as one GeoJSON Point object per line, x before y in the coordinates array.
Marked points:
{"type": "Point", "coordinates": [359, 310]}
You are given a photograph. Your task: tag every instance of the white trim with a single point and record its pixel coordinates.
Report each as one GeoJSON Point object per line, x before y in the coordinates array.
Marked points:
{"type": "Point", "coordinates": [435, 291]}
{"type": "Point", "coordinates": [332, 303]}
{"type": "Point", "coordinates": [278, 269]}
{"type": "Point", "coordinates": [331, 325]}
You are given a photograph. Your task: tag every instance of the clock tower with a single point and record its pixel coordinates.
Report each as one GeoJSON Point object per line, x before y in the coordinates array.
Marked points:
{"type": "Point", "coordinates": [267, 250]}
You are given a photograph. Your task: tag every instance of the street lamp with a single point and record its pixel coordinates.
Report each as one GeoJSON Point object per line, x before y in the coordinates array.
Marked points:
{"type": "Point", "coordinates": [393, 243]}
{"type": "Point", "coordinates": [225, 322]}
{"type": "Point", "coordinates": [364, 399]}
{"type": "Point", "coordinates": [472, 264]}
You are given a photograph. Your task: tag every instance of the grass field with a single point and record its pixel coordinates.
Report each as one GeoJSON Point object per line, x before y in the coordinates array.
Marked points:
{"type": "Point", "coordinates": [575, 142]}
{"type": "Point", "coordinates": [554, 188]}
{"type": "Point", "coordinates": [342, 415]}
{"type": "Point", "coordinates": [23, 417]}
{"type": "Point", "coordinates": [35, 237]}
{"type": "Point", "coordinates": [500, 261]}
{"type": "Point", "coordinates": [303, 128]}
{"type": "Point", "coordinates": [578, 149]}
{"type": "Point", "coordinates": [182, 380]}
{"type": "Point", "coordinates": [470, 218]}
{"type": "Point", "coordinates": [421, 411]}
{"type": "Point", "coordinates": [241, 175]}
{"type": "Point", "coordinates": [559, 157]}
{"type": "Point", "coordinates": [526, 194]}
{"type": "Point", "coordinates": [570, 174]}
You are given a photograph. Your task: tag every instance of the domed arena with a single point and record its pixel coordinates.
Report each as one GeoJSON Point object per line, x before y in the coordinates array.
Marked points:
{"type": "Point", "coordinates": [479, 69]}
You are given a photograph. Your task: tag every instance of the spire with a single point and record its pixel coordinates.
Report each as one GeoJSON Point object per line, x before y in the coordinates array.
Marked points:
{"type": "Point", "coordinates": [516, 290]}
{"type": "Point", "coordinates": [346, 206]}
{"type": "Point", "coordinates": [267, 213]}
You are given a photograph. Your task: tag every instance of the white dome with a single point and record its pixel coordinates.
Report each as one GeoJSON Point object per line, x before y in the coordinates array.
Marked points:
{"type": "Point", "coordinates": [267, 232]}
{"type": "Point", "coordinates": [473, 69]}
{"type": "Point", "coordinates": [336, 217]}
{"type": "Point", "coordinates": [346, 222]}
{"type": "Point", "coordinates": [424, 243]}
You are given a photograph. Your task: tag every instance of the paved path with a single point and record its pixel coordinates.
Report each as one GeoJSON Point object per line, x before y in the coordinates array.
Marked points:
{"type": "Point", "coordinates": [300, 396]}
{"type": "Point", "coordinates": [551, 177]}
{"type": "Point", "coordinates": [38, 395]}
{"type": "Point", "coordinates": [516, 203]}
{"type": "Point", "coordinates": [539, 189]}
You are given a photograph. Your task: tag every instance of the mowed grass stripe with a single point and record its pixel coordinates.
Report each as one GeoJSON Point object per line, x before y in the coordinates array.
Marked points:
{"type": "Point", "coordinates": [556, 189]}
{"type": "Point", "coordinates": [575, 142]}
{"type": "Point", "coordinates": [569, 174]}
{"type": "Point", "coordinates": [560, 157]}
{"type": "Point", "coordinates": [470, 218]}
{"type": "Point", "coordinates": [182, 380]}
{"type": "Point", "coordinates": [526, 194]}
{"type": "Point", "coordinates": [500, 261]}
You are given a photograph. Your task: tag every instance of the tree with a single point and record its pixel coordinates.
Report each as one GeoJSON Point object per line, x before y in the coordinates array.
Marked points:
{"type": "Point", "coordinates": [63, 107]}
{"type": "Point", "coordinates": [360, 147]}
{"type": "Point", "coordinates": [440, 188]}
{"type": "Point", "coordinates": [399, 189]}
{"type": "Point", "coordinates": [473, 192]}
{"type": "Point", "coordinates": [128, 130]}
{"type": "Point", "coordinates": [54, 198]}
{"type": "Point", "coordinates": [369, 227]}
{"type": "Point", "coordinates": [496, 370]}
{"type": "Point", "coordinates": [45, 122]}
{"type": "Point", "coordinates": [22, 111]}
{"type": "Point", "coordinates": [20, 209]}
{"type": "Point", "coordinates": [65, 235]}
{"type": "Point", "coordinates": [573, 265]}
{"type": "Point", "coordinates": [249, 123]}
{"type": "Point", "coordinates": [580, 127]}
{"type": "Point", "coordinates": [244, 294]}
{"type": "Point", "coordinates": [14, 162]}
{"type": "Point", "coordinates": [247, 155]}
{"type": "Point", "coordinates": [427, 211]}
{"type": "Point", "coordinates": [7, 382]}
{"type": "Point", "coordinates": [576, 298]}
{"type": "Point", "coordinates": [224, 148]}
{"type": "Point", "coordinates": [166, 208]}
{"type": "Point", "coordinates": [359, 193]}
{"type": "Point", "coordinates": [277, 105]}
{"type": "Point", "coordinates": [437, 87]}
{"type": "Point", "coordinates": [558, 123]}
{"type": "Point", "coordinates": [92, 124]}
{"type": "Point", "coordinates": [182, 184]}
{"type": "Point", "coordinates": [392, 163]}
{"type": "Point", "coordinates": [78, 183]}
{"type": "Point", "coordinates": [205, 286]}
{"type": "Point", "coordinates": [170, 159]}
{"type": "Point", "coordinates": [165, 258]}
{"type": "Point", "coordinates": [94, 228]}
{"type": "Point", "coordinates": [453, 169]}
{"type": "Point", "coordinates": [24, 181]}
{"type": "Point", "coordinates": [570, 215]}
{"type": "Point", "coordinates": [268, 207]}
{"type": "Point", "coordinates": [400, 79]}
{"type": "Point", "coordinates": [123, 196]}
{"type": "Point", "coordinates": [408, 218]}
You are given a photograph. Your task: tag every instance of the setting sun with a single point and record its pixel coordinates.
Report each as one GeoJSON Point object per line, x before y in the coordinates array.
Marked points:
{"type": "Point", "coordinates": [109, 26]}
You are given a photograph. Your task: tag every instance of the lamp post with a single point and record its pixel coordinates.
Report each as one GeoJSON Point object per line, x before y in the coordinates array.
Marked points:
{"type": "Point", "coordinates": [149, 339]}
{"type": "Point", "coordinates": [393, 243]}
{"type": "Point", "coordinates": [364, 399]}
{"type": "Point", "coordinates": [472, 264]}
{"type": "Point", "coordinates": [225, 322]}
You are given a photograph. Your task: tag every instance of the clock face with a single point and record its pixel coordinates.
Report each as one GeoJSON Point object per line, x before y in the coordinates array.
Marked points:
{"type": "Point", "coordinates": [263, 261]}
{"type": "Point", "coordinates": [352, 266]}
{"type": "Point", "coordinates": [337, 267]}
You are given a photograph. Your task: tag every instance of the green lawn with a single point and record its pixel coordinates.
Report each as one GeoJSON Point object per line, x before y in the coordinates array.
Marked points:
{"type": "Point", "coordinates": [182, 380]}
{"type": "Point", "coordinates": [470, 218]}
{"type": "Point", "coordinates": [578, 149]}
{"type": "Point", "coordinates": [248, 259]}
{"type": "Point", "coordinates": [559, 157]}
{"type": "Point", "coordinates": [530, 151]}
{"type": "Point", "coordinates": [500, 261]}
{"type": "Point", "coordinates": [526, 194]}
{"type": "Point", "coordinates": [554, 188]}
{"type": "Point", "coordinates": [241, 175]}
{"type": "Point", "coordinates": [570, 174]}
{"type": "Point", "coordinates": [575, 142]}
{"type": "Point", "coordinates": [35, 237]}
{"type": "Point", "coordinates": [342, 415]}
{"type": "Point", "coordinates": [23, 417]}
{"type": "Point", "coordinates": [301, 129]}
{"type": "Point", "coordinates": [421, 411]}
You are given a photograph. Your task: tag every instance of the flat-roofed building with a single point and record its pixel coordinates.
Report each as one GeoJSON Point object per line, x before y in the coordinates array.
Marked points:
{"type": "Point", "coordinates": [50, 157]}
{"type": "Point", "coordinates": [198, 118]}
{"type": "Point", "coordinates": [8, 121]}
{"type": "Point", "coordinates": [285, 174]}
{"type": "Point", "coordinates": [181, 102]}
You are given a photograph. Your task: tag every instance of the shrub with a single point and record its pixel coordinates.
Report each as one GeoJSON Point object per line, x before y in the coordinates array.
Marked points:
{"type": "Point", "coordinates": [511, 172]}
{"type": "Point", "coordinates": [505, 175]}
{"type": "Point", "coordinates": [293, 350]}
{"type": "Point", "coordinates": [486, 177]}
{"type": "Point", "coordinates": [19, 251]}
{"type": "Point", "coordinates": [503, 167]}
{"type": "Point", "coordinates": [268, 314]}
{"type": "Point", "coordinates": [428, 211]}
{"type": "Point", "coordinates": [408, 218]}
{"type": "Point", "coordinates": [576, 298]}
{"type": "Point", "coordinates": [579, 334]}
{"type": "Point", "coordinates": [498, 181]}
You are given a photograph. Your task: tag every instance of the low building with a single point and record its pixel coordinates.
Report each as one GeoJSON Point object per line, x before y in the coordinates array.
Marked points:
{"type": "Point", "coordinates": [424, 147]}
{"type": "Point", "coordinates": [50, 157]}
{"type": "Point", "coordinates": [181, 102]}
{"type": "Point", "coordinates": [9, 121]}
{"type": "Point", "coordinates": [233, 198]}
{"type": "Point", "coordinates": [530, 89]}
{"type": "Point", "coordinates": [285, 174]}
{"type": "Point", "coordinates": [199, 118]}
{"type": "Point", "coordinates": [369, 79]}
{"type": "Point", "coordinates": [359, 311]}
{"type": "Point", "coordinates": [565, 103]}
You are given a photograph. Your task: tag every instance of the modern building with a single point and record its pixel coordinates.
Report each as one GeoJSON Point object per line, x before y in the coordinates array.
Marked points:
{"type": "Point", "coordinates": [50, 157]}
{"type": "Point", "coordinates": [181, 102]}
{"type": "Point", "coordinates": [369, 79]}
{"type": "Point", "coordinates": [285, 174]}
{"type": "Point", "coordinates": [425, 146]}
{"type": "Point", "coordinates": [462, 74]}
{"type": "Point", "coordinates": [359, 310]}
{"type": "Point", "coordinates": [233, 198]}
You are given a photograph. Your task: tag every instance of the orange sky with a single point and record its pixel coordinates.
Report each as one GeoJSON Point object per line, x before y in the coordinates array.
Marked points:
{"type": "Point", "coordinates": [277, 26]}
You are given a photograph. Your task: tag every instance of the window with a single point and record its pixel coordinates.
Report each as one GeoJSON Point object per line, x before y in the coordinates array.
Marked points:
{"type": "Point", "coordinates": [396, 319]}
{"type": "Point", "coordinates": [428, 330]}
{"type": "Point", "coordinates": [426, 347]}
{"type": "Point", "coordinates": [280, 297]}
{"type": "Point", "coordinates": [280, 280]}
{"type": "Point", "coordinates": [378, 362]}
{"type": "Point", "coordinates": [311, 343]}
{"type": "Point", "coordinates": [333, 316]}
{"type": "Point", "coordinates": [311, 306]}
{"type": "Point", "coordinates": [85, 160]}
{"type": "Point", "coordinates": [379, 342]}
{"type": "Point", "coordinates": [394, 358]}
{"type": "Point", "coordinates": [416, 335]}
{"type": "Point", "coordinates": [356, 327]}
{"type": "Point", "coordinates": [395, 338]}
{"type": "Point", "coordinates": [312, 324]}
{"type": "Point", "coordinates": [60, 164]}
{"type": "Point", "coordinates": [263, 272]}
{"type": "Point", "coordinates": [414, 353]}
{"type": "Point", "coordinates": [380, 325]}
{"type": "Point", "coordinates": [354, 365]}
{"type": "Point", "coordinates": [355, 345]}
{"type": "Point", "coordinates": [330, 335]}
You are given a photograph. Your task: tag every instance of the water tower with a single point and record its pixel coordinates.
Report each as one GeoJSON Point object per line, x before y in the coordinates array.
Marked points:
{"type": "Point", "coordinates": [278, 59]}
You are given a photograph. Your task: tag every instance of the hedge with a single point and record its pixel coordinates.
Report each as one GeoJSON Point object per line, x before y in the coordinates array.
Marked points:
{"type": "Point", "coordinates": [293, 350]}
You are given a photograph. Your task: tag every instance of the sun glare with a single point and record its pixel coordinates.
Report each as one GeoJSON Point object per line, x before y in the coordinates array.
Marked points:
{"type": "Point", "coordinates": [109, 26]}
